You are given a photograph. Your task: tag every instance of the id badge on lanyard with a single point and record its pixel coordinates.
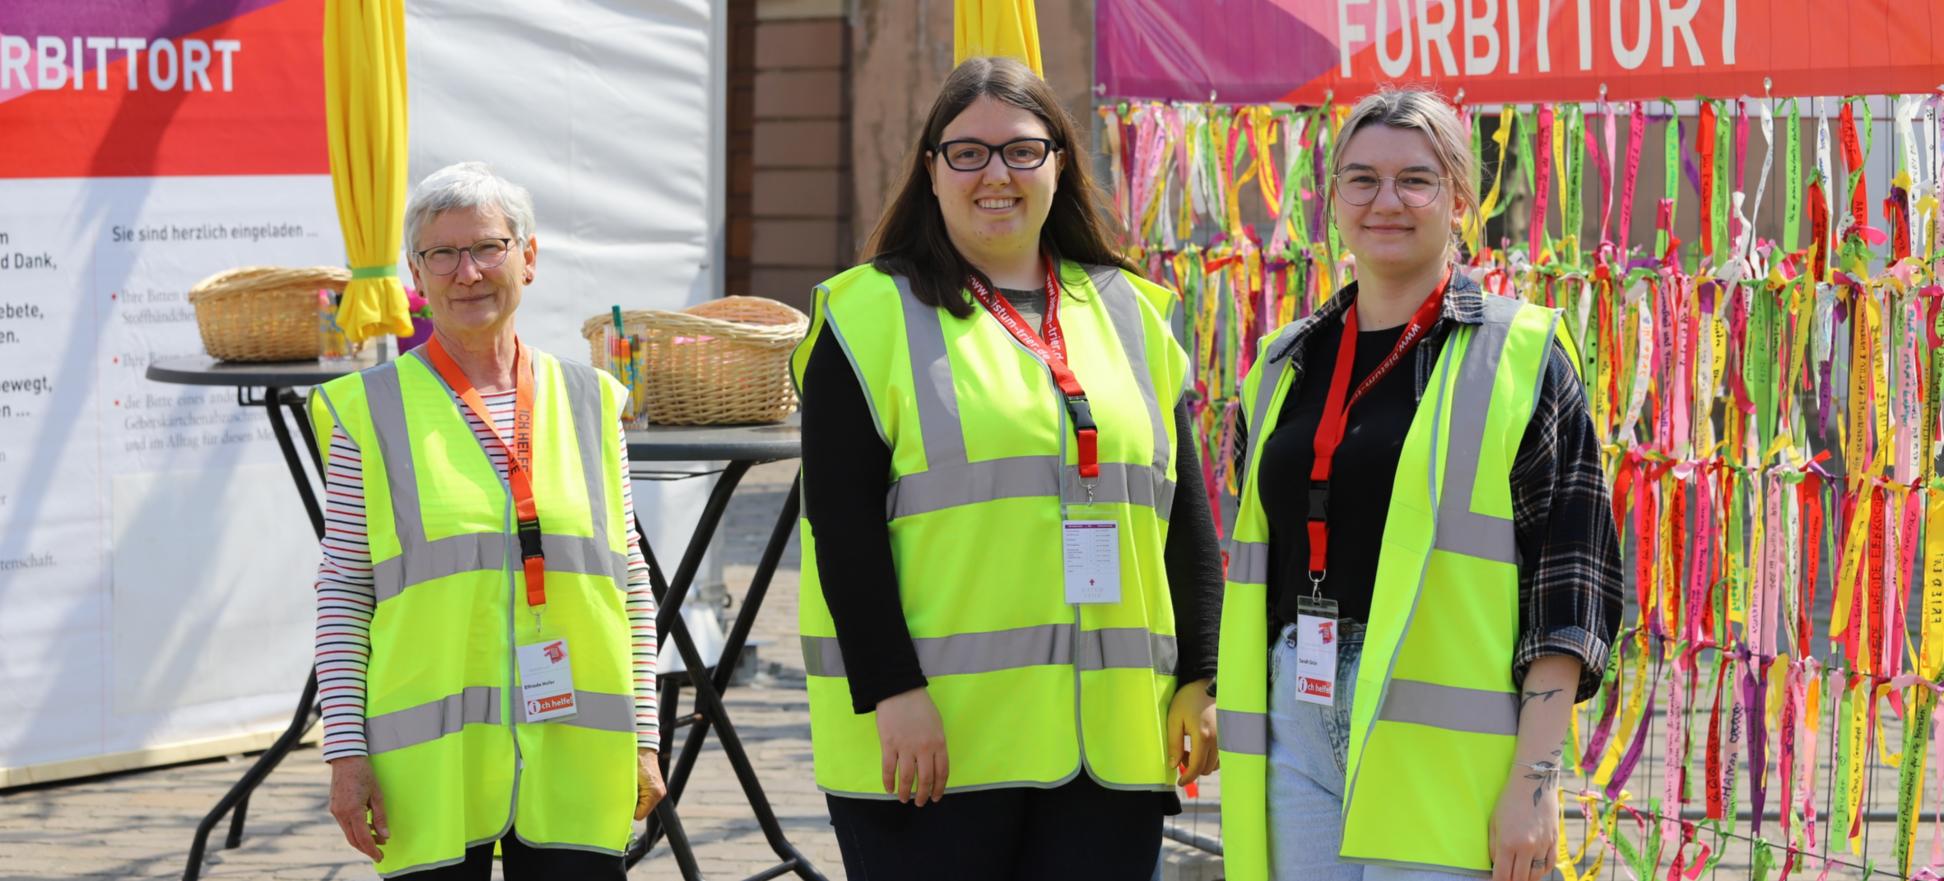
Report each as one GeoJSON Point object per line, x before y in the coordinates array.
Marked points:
{"type": "Point", "coordinates": [1089, 549]}
{"type": "Point", "coordinates": [546, 680]}
{"type": "Point", "coordinates": [1316, 650]}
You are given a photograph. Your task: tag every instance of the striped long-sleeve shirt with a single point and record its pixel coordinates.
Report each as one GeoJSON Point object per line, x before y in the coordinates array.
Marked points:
{"type": "Point", "coordinates": [346, 594]}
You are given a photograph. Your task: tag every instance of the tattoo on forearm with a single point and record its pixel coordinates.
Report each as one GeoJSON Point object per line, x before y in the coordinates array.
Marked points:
{"type": "Point", "coordinates": [1542, 772]}
{"type": "Point", "coordinates": [1543, 696]}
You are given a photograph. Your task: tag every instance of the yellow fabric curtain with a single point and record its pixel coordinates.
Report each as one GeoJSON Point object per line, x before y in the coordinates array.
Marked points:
{"type": "Point", "coordinates": [996, 27]}
{"type": "Point", "coordinates": [364, 105]}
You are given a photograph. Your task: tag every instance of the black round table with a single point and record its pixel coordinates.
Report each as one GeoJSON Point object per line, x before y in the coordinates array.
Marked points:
{"type": "Point", "coordinates": [204, 370]}
{"type": "Point", "coordinates": [273, 386]}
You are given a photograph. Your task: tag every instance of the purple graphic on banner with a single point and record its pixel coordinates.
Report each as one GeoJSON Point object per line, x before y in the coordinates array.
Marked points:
{"type": "Point", "coordinates": [1245, 51]}
{"type": "Point", "coordinates": [120, 18]}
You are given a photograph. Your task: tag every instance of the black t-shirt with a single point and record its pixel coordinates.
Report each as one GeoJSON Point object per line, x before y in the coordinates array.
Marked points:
{"type": "Point", "coordinates": [1360, 477]}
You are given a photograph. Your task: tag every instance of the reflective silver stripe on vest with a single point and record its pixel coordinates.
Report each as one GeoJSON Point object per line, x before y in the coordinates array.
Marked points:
{"type": "Point", "coordinates": [948, 486]}
{"type": "Point", "coordinates": [1460, 530]}
{"type": "Point", "coordinates": [950, 480]}
{"type": "Point", "coordinates": [931, 378]}
{"type": "Point", "coordinates": [1119, 296]}
{"type": "Point", "coordinates": [1111, 648]}
{"type": "Point", "coordinates": [1248, 562]}
{"type": "Point", "coordinates": [432, 720]}
{"type": "Point", "coordinates": [421, 560]}
{"type": "Point", "coordinates": [1449, 707]}
{"type": "Point", "coordinates": [585, 395]}
{"type": "Point", "coordinates": [490, 551]}
{"type": "Point", "coordinates": [386, 401]}
{"type": "Point", "coordinates": [1125, 648]}
{"type": "Point", "coordinates": [592, 709]}
{"type": "Point", "coordinates": [1272, 372]}
{"type": "Point", "coordinates": [1243, 733]}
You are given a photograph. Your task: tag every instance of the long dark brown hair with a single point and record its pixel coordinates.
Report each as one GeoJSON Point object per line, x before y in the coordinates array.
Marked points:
{"type": "Point", "coordinates": [910, 238]}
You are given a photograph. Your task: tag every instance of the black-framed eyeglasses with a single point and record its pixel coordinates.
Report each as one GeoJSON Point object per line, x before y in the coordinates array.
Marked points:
{"type": "Point", "coordinates": [1416, 189]}
{"type": "Point", "coordinates": [486, 254]}
{"type": "Point", "coordinates": [1020, 154]}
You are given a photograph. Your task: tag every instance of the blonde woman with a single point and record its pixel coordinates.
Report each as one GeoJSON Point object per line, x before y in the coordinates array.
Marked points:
{"type": "Point", "coordinates": [1424, 575]}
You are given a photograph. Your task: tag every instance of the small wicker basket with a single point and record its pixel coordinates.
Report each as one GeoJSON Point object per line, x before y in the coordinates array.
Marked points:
{"type": "Point", "coordinates": [724, 362]}
{"type": "Point", "coordinates": [262, 313]}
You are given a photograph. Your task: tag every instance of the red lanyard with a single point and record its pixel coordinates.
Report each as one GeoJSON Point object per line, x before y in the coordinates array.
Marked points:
{"type": "Point", "coordinates": [1052, 351]}
{"type": "Point", "coordinates": [519, 454]}
{"type": "Point", "coordinates": [1336, 411]}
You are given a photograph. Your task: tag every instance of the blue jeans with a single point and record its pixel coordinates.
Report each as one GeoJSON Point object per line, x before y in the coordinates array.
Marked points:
{"type": "Point", "coordinates": [1307, 748]}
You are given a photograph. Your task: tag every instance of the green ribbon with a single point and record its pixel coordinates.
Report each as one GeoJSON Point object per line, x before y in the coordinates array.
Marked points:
{"type": "Point", "coordinates": [1792, 202]}
{"type": "Point", "coordinates": [1524, 140]}
{"type": "Point", "coordinates": [1671, 153]}
{"type": "Point", "coordinates": [1839, 813]}
{"type": "Point", "coordinates": [1573, 208]}
{"type": "Point", "coordinates": [1761, 861]}
{"type": "Point", "coordinates": [389, 270]}
{"type": "Point", "coordinates": [1724, 181]}
{"type": "Point", "coordinates": [1328, 119]}
{"type": "Point", "coordinates": [1758, 358]}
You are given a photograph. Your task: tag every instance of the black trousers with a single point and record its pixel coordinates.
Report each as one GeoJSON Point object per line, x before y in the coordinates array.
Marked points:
{"type": "Point", "coordinates": [521, 862]}
{"type": "Point", "coordinates": [1077, 832]}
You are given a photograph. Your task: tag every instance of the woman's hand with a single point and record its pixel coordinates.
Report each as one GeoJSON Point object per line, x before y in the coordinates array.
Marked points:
{"type": "Point", "coordinates": [649, 788]}
{"type": "Point", "coordinates": [1192, 716]}
{"type": "Point", "coordinates": [912, 738]}
{"type": "Point", "coordinates": [358, 806]}
{"type": "Point", "coordinates": [1525, 825]}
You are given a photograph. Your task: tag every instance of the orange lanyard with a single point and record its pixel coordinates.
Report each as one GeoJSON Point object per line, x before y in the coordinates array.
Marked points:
{"type": "Point", "coordinates": [519, 454]}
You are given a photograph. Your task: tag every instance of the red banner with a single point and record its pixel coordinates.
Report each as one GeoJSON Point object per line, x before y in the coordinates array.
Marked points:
{"type": "Point", "coordinates": [161, 89]}
{"type": "Point", "coordinates": [1304, 51]}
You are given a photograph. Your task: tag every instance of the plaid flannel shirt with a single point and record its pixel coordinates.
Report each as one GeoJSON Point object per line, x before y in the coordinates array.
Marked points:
{"type": "Point", "coordinates": [1570, 580]}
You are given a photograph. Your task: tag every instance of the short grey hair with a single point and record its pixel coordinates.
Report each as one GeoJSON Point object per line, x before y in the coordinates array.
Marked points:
{"type": "Point", "coordinates": [468, 186]}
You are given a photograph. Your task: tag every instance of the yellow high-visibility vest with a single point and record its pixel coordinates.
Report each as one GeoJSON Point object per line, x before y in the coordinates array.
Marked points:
{"type": "Point", "coordinates": [1031, 689]}
{"type": "Point", "coordinates": [454, 756]}
{"type": "Point", "coordinates": [1434, 719]}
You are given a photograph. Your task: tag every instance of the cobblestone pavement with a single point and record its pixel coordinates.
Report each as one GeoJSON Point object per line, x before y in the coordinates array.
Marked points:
{"type": "Point", "coordinates": [138, 825]}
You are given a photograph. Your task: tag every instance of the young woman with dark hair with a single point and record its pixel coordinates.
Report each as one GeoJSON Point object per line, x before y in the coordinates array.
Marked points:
{"type": "Point", "coordinates": [1010, 574]}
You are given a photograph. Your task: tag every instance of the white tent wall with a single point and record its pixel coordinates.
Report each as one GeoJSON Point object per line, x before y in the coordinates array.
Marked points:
{"type": "Point", "coordinates": [155, 601]}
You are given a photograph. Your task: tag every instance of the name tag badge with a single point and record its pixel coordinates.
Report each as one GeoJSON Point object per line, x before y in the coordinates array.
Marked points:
{"type": "Point", "coordinates": [546, 680]}
{"type": "Point", "coordinates": [1316, 651]}
{"type": "Point", "coordinates": [1092, 552]}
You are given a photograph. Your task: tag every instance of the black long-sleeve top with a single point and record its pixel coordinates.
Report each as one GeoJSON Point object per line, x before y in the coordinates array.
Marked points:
{"type": "Point", "coordinates": [846, 474]}
{"type": "Point", "coordinates": [1570, 582]}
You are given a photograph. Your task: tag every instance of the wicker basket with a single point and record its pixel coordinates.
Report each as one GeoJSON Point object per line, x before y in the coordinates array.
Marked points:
{"type": "Point", "coordinates": [262, 313]}
{"type": "Point", "coordinates": [724, 362]}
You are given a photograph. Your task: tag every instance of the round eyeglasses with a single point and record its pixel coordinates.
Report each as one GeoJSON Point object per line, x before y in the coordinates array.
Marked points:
{"type": "Point", "coordinates": [1021, 154]}
{"type": "Point", "coordinates": [1414, 188]}
{"type": "Point", "coordinates": [486, 254]}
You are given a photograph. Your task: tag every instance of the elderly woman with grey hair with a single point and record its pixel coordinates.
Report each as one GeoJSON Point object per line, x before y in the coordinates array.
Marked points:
{"type": "Point", "coordinates": [485, 629]}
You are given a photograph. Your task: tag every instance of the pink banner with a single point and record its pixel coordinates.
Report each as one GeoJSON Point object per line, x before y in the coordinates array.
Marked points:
{"type": "Point", "coordinates": [1303, 51]}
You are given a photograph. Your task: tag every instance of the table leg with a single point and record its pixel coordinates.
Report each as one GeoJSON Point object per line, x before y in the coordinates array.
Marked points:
{"type": "Point", "coordinates": [238, 797]}
{"type": "Point", "coordinates": [709, 709]}
{"type": "Point", "coordinates": [239, 794]}
{"type": "Point", "coordinates": [738, 637]}
{"type": "Point", "coordinates": [271, 400]}
{"type": "Point", "coordinates": [708, 702]}
{"type": "Point", "coordinates": [668, 600]}
{"type": "Point", "coordinates": [669, 596]}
